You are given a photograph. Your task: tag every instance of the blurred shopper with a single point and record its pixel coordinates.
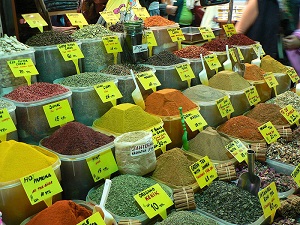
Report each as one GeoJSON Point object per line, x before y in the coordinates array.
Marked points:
{"type": "Point", "coordinates": [184, 15]}
{"type": "Point", "coordinates": [292, 45]}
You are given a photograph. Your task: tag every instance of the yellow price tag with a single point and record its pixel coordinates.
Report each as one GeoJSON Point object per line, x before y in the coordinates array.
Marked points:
{"type": "Point", "coordinates": [256, 47]}
{"type": "Point", "coordinates": [194, 120]}
{"type": "Point", "coordinates": [290, 114]}
{"type": "Point", "coordinates": [154, 200]}
{"type": "Point", "coordinates": [148, 79]}
{"type": "Point", "coordinates": [151, 41]}
{"type": "Point", "coordinates": [109, 17]}
{"type": "Point", "coordinates": [224, 105]}
{"type": "Point", "coordinates": [269, 199]}
{"type": "Point", "coordinates": [112, 44]}
{"type": "Point", "coordinates": [269, 132]}
{"type": "Point", "coordinates": [6, 123]}
{"type": "Point", "coordinates": [77, 19]}
{"type": "Point", "coordinates": [108, 91]}
{"type": "Point", "coordinates": [22, 67]}
{"type": "Point", "coordinates": [102, 165]}
{"type": "Point", "coordinates": [160, 137]}
{"type": "Point", "coordinates": [212, 61]}
{"type": "Point", "coordinates": [185, 71]}
{"type": "Point", "coordinates": [270, 79]}
{"type": "Point", "coordinates": [252, 95]}
{"type": "Point", "coordinates": [238, 150]}
{"type": "Point", "coordinates": [58, 113]}
{"type": "Point", "coordinates": [293, 75]}
{"type": "Point", "coordinates": [207, 33]}
{"type": "Point", "coordinates": [296, 175]}
{"type": "Point", "coordinates": [70, 51]}
{"type": "Point", "coordinates": [35, 20]}
{"type": "Point", "coordinates": [229, 29]}
{"type": "Point", "coordinates": [232, 53]}
{"type": "Point", "coordinates": [141, 12]}
{"type": "Point", "coordinates": [94, 219]}
{"type": "Point", "coordinates": [204, 171]}
{"type": "Point", "coordinates": [41, 185]}
{"type": "Point", "coordinates": [176, 34]}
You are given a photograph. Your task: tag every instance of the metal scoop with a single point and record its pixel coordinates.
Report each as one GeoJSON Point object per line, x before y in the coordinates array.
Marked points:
{"type": "Point", "coordinates": [248, 180]}
{"type": "Point", "coordinates": [239, 67]}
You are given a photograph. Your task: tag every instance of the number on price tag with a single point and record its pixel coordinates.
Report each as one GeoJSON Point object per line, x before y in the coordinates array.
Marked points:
{"type": "Point", "coordinates": [176, 34]}
{"type": "Point", "coordinates": [35, 20]}
{"type": "Point", "coordinates": [296, 175]}
{"type": "Point", "coordinates": [77, 19]}
{"type": "Point", "coordinates": [153, 200]}
{"type": "Point", "coordinates": [6, 123]}
{"type": "Point", "coordinates": [70, 51]}
{"type": "Point", "coordinates": [112, 44]}
{"type": "Point", "coordinates": [225, 107]}
{"type": "Point", "coordinates": [229, 29]}
{"type": "Point", "coordinates": [94, 219]}
{"type": "Point", "coordinates": [194, 120]}
{"type": "Point", "coordinates": [290, 114]}
{"type": "Point", "coordinates": [102, 165]}
{"type": "Point", "coordinates": [58, 113]}
{"type": "Point", "coordinates": [22, 67]}
{"type": "Point", "coordinates": [256, 47]}
{"type": "Point", "coordinates": [160, 137]}
{"type": "Point", "coordinates": [108, 91]}
{"type": "Point", "coordinates": [148, 79]}
{"type": "Point", "coordinates": [204, 171]}
{"type": "Point", "coordinates": [293, 75]}
{"type": "Point", "coordinates": [212, 61]}
{"type": "Point", "coordinates": [207, 33]}
{"type": "Point", "coordinates": [238, 150]}
{"type": "Point", "coordinates": [109, 17]}
{"type": "Point", "coordinates": [270, 79]}
{"type": "Point", "coordinates": [269, 199]}
{"type": "Point", "coordinates": [41, 185]}
{"type": "Point", "coordinates": [151, 41]}
{"type": "Point", "coordinates": [269, 132]}
{"type": "Point", "coordinates": [252, 95]}
{"type": "Point", "coordinates": [185, 71]}
{"type": "Point", "coordinates": [141, 12]}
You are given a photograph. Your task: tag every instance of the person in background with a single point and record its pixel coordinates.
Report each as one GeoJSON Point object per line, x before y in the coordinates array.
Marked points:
{"type": "Point", "coordinates": [165, 7]}
{"type": "Point", "coordinates": [184, 16]}
{"type": "Point", "coordinates": [210, 17]}
{"type": "Point", "coordinates": [291, 44]}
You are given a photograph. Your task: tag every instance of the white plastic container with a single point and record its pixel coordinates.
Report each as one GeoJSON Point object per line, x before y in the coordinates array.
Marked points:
{"type": "Point", "coordinates": [12, 112]}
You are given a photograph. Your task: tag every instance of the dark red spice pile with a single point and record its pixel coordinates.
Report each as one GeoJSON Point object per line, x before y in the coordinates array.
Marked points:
{"type": "Point", "coordinates": [191, 52]}
{"type": "Point", "coordinates": [75, 138]}
{"type": "Point", "coordinates": [35, 92]}
{"type": "Point", "coordinates": [217, 45]}
{"type": "Point", "coordinates": [240, 39]}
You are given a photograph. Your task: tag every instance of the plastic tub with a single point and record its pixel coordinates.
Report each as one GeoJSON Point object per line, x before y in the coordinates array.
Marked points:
{"type": "Point", "coordinates": [284, 83]}
{"type": "Point", "coordinates": [76, 176]}
{"type": "Point", "coordinates": [32, 124]}
{"type": "Point", "coordinates": [12, 112]}
{"type": "Point", "coordinates": [262, 88]}
{"type": "Point", "coordinates": [15, 204]}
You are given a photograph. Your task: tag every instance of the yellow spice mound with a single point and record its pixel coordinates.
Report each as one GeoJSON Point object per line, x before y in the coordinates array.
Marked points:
{"type": "Point", "coordinates": [269, 64]}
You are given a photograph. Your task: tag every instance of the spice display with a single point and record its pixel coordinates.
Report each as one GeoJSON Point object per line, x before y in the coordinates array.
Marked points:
{"type": "Point", "coordinates": [209, 142]}
{"type": "Point", "coordinates": [242, 127]}
{"type": "Point", "coordinates": [124, 69]}
{"type": "Point", "coordinates": [130, 117]}
{"type": "Point", "coordinates": [19, 159]}
{"type": "Point", "coordinates": [253, 72]}
{"type": "Point", "coordinates": [224, 200]}
{"type": "Point", "coordinates": [164, 58]}
{"type": "Point", "coordinates": [186, 217]}
{"type": "Point", "coordinates": [49, 38]}
{"type": "Point", "coordinates": [285, 221]}
{"type": "Point", "coordinates": [167, 101]}
{"type": "Point", "coordinates": [120, 199]}
{"type": "Point", "coordinates": [228, 81]}
{"type": "Point", "coordinates": [118, 27]}
{"type": "Point", "coordinates": [264, 112]}
{"type": "Point", "coordinates": [240, 39]}
{"type": "Point", "coordinates": [270, 64]}
{"type": "Point", "coordinates": [203, 93]}
{"type": "Point", "coordinates": [5, 104]}
{"type": "Point", "coordinates": [36, 92]}
{"type": "Point", "coordinates": [91, 31]}
{"type": "Point", "coordinates": [294, 200]}
{"type": "Point", "coordinates": [287, 210]}
{"type": "Point", "coordinates": [75, 138]}
{"type": "Point", "coordinates": [217, 45]}
{"type": "Point", "coordinates": [287, 98]}
{"type": "Point", "coordinates": [11, 45]}
{"type": "Point", "coordinates": [61, 212]}
{"type": "Point", "coordinates": [173, 168]}
{"type": "Point", "coordinates": [191, 52]}
{"type": "Point", "coordinates": [157, 21]}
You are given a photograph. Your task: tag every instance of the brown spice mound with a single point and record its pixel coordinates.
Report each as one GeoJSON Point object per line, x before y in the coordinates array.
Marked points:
{"type": "Point", "coordinates": [228, 81]}
{"type": "Point", "coordinates": [173, 167]}
{"type": "Point", "coordinates": [253, 72]}
{"type": "Point", "coordinates": [242, 127]}
{"type": "Point", "coordinates": [265, 112]}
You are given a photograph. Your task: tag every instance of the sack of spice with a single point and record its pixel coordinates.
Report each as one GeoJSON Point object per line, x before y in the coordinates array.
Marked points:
{"type": "Point", "coordinates": [134, 153]}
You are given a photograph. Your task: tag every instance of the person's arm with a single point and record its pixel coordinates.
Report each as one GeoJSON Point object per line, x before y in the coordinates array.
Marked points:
{"type": "Point", "coordinates": [249, 15]}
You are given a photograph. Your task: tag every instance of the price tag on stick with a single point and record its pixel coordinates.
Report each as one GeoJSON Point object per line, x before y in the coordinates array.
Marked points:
{"type": "Point", "coordinates": [160, 137]}
{"type": "Point", "coordinates": [194, 120]}
{"type": "Point", "coordinates": [151, 41]}
{"type": "Point", "coordinates": [35, 20]}
{"type": "Point", "coordinates": [185, 72]}
{"type": "Point", "coordinates": [148, 80]}
{"type": "Point", "coordinates": [238, 150]}
{"type": "Point", "coordinates": [293, 75]}
{"type": "Point", "coordinates": [112, 45]}
{"type": "Point", "coordinates": [94, 219]}
{"type": "Point", "coordinates": [269, 132]}
{"type": "Point", "coordinates": [109, 17]}
{"type": "Point", "coordinates": [141, 12]}
{"type": "Point", "coordinates": [176, 35]}
{"type": "Point", "coordinates": [108, 91]}
{"type": "Point", "coordinates": [229, 29]}
{"type": "Point", "coordinates": [225, 107]}
{"type": "Point", "coordinates": [290, 114]}
{"type": "Point", "coordinates": [296, 175]}
{"type": "Point", "coordinates": [212, 61]}
{"type": "Point", "coordinates": [207, 33]}
{"type": "Point", "coordinates": [77, 19]}
{"type": "Point", "coordinates": [271, 81]}
{"type": "Point", "coordinates": [6, 124]}
{"type": "Point", "coordinates": [252, 95]}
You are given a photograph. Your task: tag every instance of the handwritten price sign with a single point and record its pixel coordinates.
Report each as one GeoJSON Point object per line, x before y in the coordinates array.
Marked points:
{"type": "Point", "coordinates": [270, 79]}
{"type": "Point", "coordinates": [238, 150]}
{"type": "Point", "coordinates": [225, 107]}
{"type": "Point", "coordinates": [185, 71]}
{"type": "Point", "coordinates": [108, 91]}
{"type": "Point", "coordinates": [6, 123]}
{"type": "Point", "coordinates": [269, 132]}
{"type": "Point", "coordinates": [112, 44]}
{"type": "Point", "coordinates": [269, 200]}
{"type": "Point", "coordinates": [160, 137]}
{"type": "Point", "coordinates": [207, 33]}
{"type": "Point", "coordinates": [229, 29]}
{"type": "Point", "coordinates": [291, 72]}
{"type": "Point", "coordinates": [212, 61]}
{"type": "Point", "coordinates": [296, 175]}
{"type": "Point", "coordinates": [194, 120]}
{"type": "Point", "coordinates": [22, 67]}
{"type": "Point", "coordinates": [176, 34]}
{"type": "Point", "coordinates": [148, 79]}
{"type": "Point", "coordinates": [290, 114]}
{"type": "Point", "coordinates": [70, 51]}
{"type": "Point", "coordinates": [252, 95]}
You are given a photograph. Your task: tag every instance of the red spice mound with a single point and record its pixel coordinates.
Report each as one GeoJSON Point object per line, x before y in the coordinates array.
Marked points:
{"type": "Point", "coordinates": [157, 21]}
{"type": "Point", "coordinates": [192, 51]}
{"type": "Point", "coordinates": [240, 39]}
{"type": "Point", "coordinates": [62, 212]}
{"type": "Point", "coordinates": [167, 101]}
{"type": "Point", "coordinates": [217, 45]}
{"type": "Point", "coordinates": [242, 127]}
{"type": "Point", "coordinates": [75, 138]}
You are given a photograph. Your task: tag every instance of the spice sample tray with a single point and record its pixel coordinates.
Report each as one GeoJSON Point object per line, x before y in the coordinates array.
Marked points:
{"type": "Point", "coordinates": [281, 167]}
{"type": "Point", "coordinates": [192, 34]}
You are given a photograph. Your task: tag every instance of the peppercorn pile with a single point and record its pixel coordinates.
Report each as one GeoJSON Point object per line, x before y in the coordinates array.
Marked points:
{"type": "Point", "coordinates": [191, 52]}
{"type": "Point", "coordinates": [164, 58]}
{"type": "Point", "coordinates": [49, 38]}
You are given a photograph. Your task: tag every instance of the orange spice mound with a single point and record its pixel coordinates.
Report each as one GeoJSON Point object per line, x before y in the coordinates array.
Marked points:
{"type": "Point", "coordinates": [157, 21]}
{"type": "Point", "coordinates": [253, 72]}
{"type": "Point", "coordinates": [242, 127]}
{"type": "Point", "coordinates": [167, 101]}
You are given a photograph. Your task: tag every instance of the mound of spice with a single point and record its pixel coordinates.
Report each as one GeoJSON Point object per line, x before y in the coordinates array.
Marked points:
{"type": "Point", "coordinates": [242, 127]}
{"type": "Point", "coordinates": [124, 118]}
{"type": "Point", "coordinates": [164, 58]}
{"type": "Point", "coordinates": [91, 31]}
{"type": "Point", "coordinates": [230, 203]}
{"type": "Point", "coordinates": [270, 64]}
{"type": "Point", "coordinates": [49, 38]}
{"type": "Point", "coordinates": [35, 92]}
{"type": "Point", "coordinates": [287, 98]}
{"type": "Point", "coordinates": [191, 52]}
{"type": "Point", "coordinates": [253, 72]}
{"type": "Point", "coordinates": [217, 45]}
{"type": "Point", "coordinates": [240, 39]}
{"type": "Point", "coordinates": [209, 142]}
{"type": "Point", "coordinates": [228, 81]}
{"type": "Point", "coordinates": [18, 159]}
{"type": "Point", "coordinates": [264, 112]}
{"type": "Point", "coordinates": [167, 101]}
{"type": "Point", "coordinates": [157, 21]}
{"type": "Point", "coordinates": [124, 69]}
{"type": "Point", "coordinates": [172, 168]}
{"type": "Point", "coordinates": [203, 93]}
{"type": "Point", "coordinates": [75, 138]}
{"type": "Point", "coordinates": [64, 212]}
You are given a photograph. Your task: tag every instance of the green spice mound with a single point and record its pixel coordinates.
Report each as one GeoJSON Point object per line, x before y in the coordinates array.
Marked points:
{"type": "Point", "coordinates": [49, 38]}
{"type": "Point", "coordinates": [164, 58]}
{"type": "Point", "coordinates": [120, 199]}
{"type": "Point", "coordinates": [203, 93]}
{"type": "Point", "coordinates": [228, 81]}
{"type": "Point", "coordinates": [91, 31]}
{"type": "Point", "coordinates": [124, 118]}
{"type": "Point", "coordinates": [229, 203]}
{"type": "Point", "coordinates": [186, 217]}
